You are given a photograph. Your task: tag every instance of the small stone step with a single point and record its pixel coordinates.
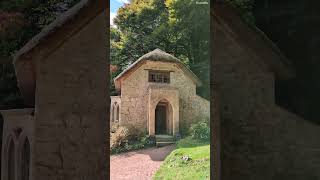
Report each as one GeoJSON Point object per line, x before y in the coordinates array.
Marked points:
{"type": "Point", "coordinates": [161, 144]}
{"type": "Point", "coordinates": [164, 140]}
{"type": "Point", "coordinates": [160, 138]}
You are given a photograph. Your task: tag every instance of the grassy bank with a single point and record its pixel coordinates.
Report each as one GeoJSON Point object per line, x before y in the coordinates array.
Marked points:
{"type": "Point", "coordinates": [194, 165]}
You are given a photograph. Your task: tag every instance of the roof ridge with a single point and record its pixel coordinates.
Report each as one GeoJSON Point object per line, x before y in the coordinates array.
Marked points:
{"type": "Point", "coordinates": [159, 55]}
{"type": "Point", "coordinates": [59, 21]}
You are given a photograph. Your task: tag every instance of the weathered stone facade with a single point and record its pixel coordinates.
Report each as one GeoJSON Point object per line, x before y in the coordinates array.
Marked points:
{"type": "Point", "coordinates": [140, 97]}
{"type": "Point", "coordinates": [257, 138]}
{"type": "Point", "coordinates": [66, 79]}
{"type": "Point", "coordinates": [17, 129]}
{"type": "Point", "coordinates": [71, 105]}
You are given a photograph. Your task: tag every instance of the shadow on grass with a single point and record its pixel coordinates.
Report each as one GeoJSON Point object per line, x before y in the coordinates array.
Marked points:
{"type": "Point", "coordinates": [190, 143]}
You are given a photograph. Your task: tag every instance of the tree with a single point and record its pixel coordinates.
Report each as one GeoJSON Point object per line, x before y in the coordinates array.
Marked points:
{"type": "Point", "coordinates": [191, 22]}
{"type": "Point", "coordinates": [20, 20]}
{"type": "Point", "coordinates": [176, 26]}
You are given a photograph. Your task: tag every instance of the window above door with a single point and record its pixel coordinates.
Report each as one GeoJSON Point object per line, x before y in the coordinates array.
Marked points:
{"type": "Point", "coordinates": [159, 76]}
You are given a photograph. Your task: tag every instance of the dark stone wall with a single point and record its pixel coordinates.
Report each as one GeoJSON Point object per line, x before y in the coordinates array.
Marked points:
{"type": "Point", "coordinates": [1, 140]}
{"type": "Point", "coordinates": [258, 139]}
{"type": "Point", "coordinates": [72, 108]}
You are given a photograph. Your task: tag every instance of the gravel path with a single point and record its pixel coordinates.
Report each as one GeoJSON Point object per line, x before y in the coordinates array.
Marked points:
{"type": "Point", "coordinates": [138, 165]}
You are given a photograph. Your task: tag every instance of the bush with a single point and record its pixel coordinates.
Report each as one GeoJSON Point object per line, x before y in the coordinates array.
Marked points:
{"type": "Point", "coordinates": [119, 138]}
{"type": "Point", "coordinates": [114, 127]}
{"type": "Point", "coordinates": [200, 130]}
{"type": "Point", "coordinates": [128, 138]}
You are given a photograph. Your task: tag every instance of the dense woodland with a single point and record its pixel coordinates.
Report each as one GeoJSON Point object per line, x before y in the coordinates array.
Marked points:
{"type": "Point", "coordinates": [181, 28]}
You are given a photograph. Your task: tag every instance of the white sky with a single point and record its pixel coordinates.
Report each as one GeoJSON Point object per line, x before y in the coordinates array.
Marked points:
{"type": "Point", "coordinates": [112, 16]}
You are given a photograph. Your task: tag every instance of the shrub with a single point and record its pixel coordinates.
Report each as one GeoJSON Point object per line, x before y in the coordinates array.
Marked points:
{"type": "Point", "coordinates": [114, 127]}
{"type": "Point", "coordinates": [200, 130]}
{"type": "Point", "coordinates": [119, 138]}
{"type": "Point", "coordinates": [128, 138]}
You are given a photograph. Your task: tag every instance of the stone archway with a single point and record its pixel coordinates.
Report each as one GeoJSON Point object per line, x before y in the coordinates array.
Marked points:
{"type": "Point", "coordinates": [163, 117]}
{"type": "Point", "coordinates": [162, 96]}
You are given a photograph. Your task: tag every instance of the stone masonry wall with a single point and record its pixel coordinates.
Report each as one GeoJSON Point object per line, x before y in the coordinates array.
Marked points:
{"type": "Point", "coordinates": [134, 95]}
{"type": "Point", "coordinates": [259, 140]}
{"type": "Point", "coordinates": [15, 119]}
{"type": "Point", "coordinates": [71, 108]}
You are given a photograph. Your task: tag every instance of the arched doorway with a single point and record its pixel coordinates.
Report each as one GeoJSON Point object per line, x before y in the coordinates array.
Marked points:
{"type": "Point", "coordinates": [163, 118]}
{"type": "Point", "coordinates": [170, 99]}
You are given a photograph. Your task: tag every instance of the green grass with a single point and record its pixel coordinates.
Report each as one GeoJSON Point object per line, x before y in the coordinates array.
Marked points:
{"type": "Point", "coordinates": [196, 168]}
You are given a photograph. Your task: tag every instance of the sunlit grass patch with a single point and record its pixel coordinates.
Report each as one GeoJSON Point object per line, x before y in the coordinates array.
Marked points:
{"type": "Point", "coordinates": [191, 160]}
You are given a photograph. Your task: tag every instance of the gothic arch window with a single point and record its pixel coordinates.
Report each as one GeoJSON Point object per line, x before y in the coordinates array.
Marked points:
{"type": "Point", "coordinates": [25, 160]}
{"type": "Point", "coordinates": [112, 113]}
{"type": "Point", "coordinates": [11, 160]}
{"type": "Point", "coordinates": [117, 113]}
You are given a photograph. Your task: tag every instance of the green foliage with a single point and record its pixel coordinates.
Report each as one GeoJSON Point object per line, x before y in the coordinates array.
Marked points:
{"type": "Point", "coordinates": [127, 138]}
{"type": "Point", "coordinates": [9, 92]}
{"type": "Point", "coordinates": [200, 130]}
{"type": "Point", "coordinates": [20, 21]}
{"type": "Point", "coordinates": [176, 26]}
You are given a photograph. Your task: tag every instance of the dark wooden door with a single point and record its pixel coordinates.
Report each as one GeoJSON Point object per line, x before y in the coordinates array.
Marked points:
{"type": "Point", "coordinates": [161, 119]}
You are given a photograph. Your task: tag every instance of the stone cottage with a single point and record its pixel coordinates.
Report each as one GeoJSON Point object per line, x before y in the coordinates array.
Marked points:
{"type": "Point", "coordinates": [158, 94]}
{"type": "Point", "coordinates": [62, 75]}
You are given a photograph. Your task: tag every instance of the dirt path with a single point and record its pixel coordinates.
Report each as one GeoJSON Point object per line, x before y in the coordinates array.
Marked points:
{"type": "Point", "coordinates": [138, 165]}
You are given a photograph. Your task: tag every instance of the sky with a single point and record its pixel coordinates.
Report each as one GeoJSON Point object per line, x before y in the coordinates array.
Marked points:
{"type": "Point", "coordinates": [114, 6]}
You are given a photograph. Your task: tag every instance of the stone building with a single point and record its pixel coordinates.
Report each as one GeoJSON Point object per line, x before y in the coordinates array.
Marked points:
{"type": "Point", "coordinates": [62, 75]}
{"type": "Point", "coordinates": [158, 94]}
{"type": "Point", "coordinates": [253, 137]}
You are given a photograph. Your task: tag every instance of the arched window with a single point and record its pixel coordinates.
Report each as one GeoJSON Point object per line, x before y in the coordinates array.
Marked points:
{"type": "Point", "coordinates": [11, 161]}
{"type": "Point", "coordinates": [117, 113]}
{"type": "Point", "coordinates": [25, 160]}
{"type": "Point", "coordinates": [112, 113]}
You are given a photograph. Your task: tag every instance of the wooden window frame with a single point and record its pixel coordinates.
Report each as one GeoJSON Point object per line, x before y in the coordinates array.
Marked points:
{"type": "Point", "coordinates": [162, 77]}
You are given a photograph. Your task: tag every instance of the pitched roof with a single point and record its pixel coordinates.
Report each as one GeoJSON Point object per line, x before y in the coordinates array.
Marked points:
{"type": "Point", "coordinates": [83, 11]}
{"type": "Point", "coordinates": [50, 39]}
{"type": "Point", "coordinates": [157, 55]}
{"type": "Point", "coordinates": [253, 38]}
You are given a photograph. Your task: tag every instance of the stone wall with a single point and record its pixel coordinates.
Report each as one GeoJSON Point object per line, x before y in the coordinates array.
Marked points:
{"type": "Point", "coordinates": [71, 108]}
{"type": "Point", "coordinates": [134, 95]}
{"type": "Point", "coordinates": [258, 140]}
{"type": "Point", "coordinates": [17, 126]}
